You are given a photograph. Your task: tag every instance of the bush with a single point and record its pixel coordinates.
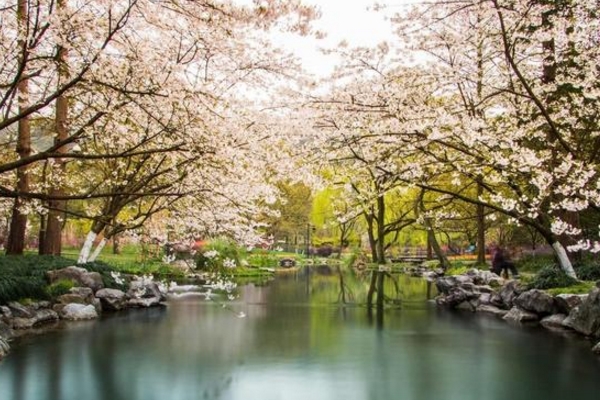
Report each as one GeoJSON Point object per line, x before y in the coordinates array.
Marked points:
{"type": "Point", "coordinates": [551, 277]}
{"type": "Point", "coordinates": [535, 263]}
{"type": "Point", "coordinates": [588, 271]}
{"type": "Point", "coordinates": [60, 287]}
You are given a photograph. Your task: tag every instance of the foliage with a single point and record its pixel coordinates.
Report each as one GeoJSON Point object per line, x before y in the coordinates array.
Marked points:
{"type": "Point", "coordinates": [551, 277]}
{"type": "Point", "coordinates": [24, 276]}
{"type": "Point", "coordinates": [534, 263]}
{"type": "Point", "coordinates": [588, 271]}
{"type": "Point", "coordinates": [60, 287]}
{"type": "Point", "coordinates": [579, 288]}
{"type": "Point", "coordinates": [458, 268]}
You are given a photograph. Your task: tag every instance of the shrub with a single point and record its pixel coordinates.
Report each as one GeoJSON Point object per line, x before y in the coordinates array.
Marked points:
{"type": "Point", "coordinates": [588, 271]}
{"type": "Point", "coordinates": [534, 263]}
{"type": "Point", "coordinates": [551, 277]}
{"type": "Point", "coordinates": [59, 288]}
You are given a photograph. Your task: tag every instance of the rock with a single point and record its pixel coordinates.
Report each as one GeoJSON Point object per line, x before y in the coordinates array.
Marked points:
{"type": "Point", "coordinates": [486, 308]}
{"type": "Point", "coordinates": [485, 298]}
{"type": "Point", "coordinates": [517, 315]}
{"type": "Point", "coordinates": [466, 306]}
{"type": "Point", "coordinates": [45, 315]}
{"type": "Point", "coordinates": [185, 266]}
{"type": "Point", "coordinates": [458, 295]}
{"type": "Point", "coordinates": [19, 323]}
{"type": "Point", "coordinates": [555, 321]}
{"type": "Point", "coordinates": [488, 278]}
{"type": "Point", "coordinates": [81, 276]}
{"type": "Point", "coordinates": [71, 298]}
{"type": "Point", "coordinates": [5, 312]}
{"type": "Point", "coordinates": [566, 302]}
{"type": "Point", "coordinates": [76, 311]}
{"type": "Point", "coordinates": [586, 318]}
{"type": "Point", "coordinates": [112, 299]}
{"type": "Point", "coordinates": [20, 311]}
{"type": "Point", "coordinates": [144, 293]}
{"type": "Point", "coordinates": [5, 330]}
{"type": "Point", "coordinates": [595, 349]}
{"type": "Point", "coordinates": [508, 293]}
{"type": "Point", "coordinates": [4, 347]}
{"type": "Point", "coordinates": [536, 301]}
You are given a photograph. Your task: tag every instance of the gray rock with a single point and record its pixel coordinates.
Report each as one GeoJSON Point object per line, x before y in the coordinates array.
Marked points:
{"type": "Point", "coordinates": [5, 312]}
{"type": "Point", "coordinates": [112, 299]}
{"type": "Point", "coordinates": [81, 276]}
{"type": "Point", "coordinates": [566, 302]}
{"type": "Point", "coordinates": [19, 323]}
{"type": "Point", "coordinates": [20, 311]}
{"type": "Point", "coordinates": [517, 315]}
{"type": "Point", "coordinates": [76, 311]}
{"type": "Point", "coordinates": [45, 315]}
{"type": "Point", "coordinates": [596, 348]}
{"type": "Point", "coordinates": [509, 292]}
{"type": "Point", "coordinates": [4, 347]}
{"type": "Point", "coordinates": [5, 330]}
{"type": "Point", "coordinates": [485, 298]}
{"type": "Point", "coordinates": [536, 301]}
{"type": "Point", "coordinates": [586, 318]}
{"type": "Point", "coordinates": [555, 321]}
{"type": "Point", "coordinates": [486, 308]}
{"type": "Point", "coordinates": [466, 306]}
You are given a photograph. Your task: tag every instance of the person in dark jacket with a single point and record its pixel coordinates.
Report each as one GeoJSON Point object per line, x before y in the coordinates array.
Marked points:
{"type": "Point", "coordinates": [501, 263]}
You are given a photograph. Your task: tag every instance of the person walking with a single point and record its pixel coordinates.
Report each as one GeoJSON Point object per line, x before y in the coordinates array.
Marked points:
{"type": "Point", "coordinates": [501, 264]}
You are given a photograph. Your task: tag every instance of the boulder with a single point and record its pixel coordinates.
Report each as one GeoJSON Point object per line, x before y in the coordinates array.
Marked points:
{"type": "Point", "coordinates": [18, 310]}
{"type": "Point", "coordinates": [517, 315]}
{"type": "Point", "coordinates": [144, 293]}
{"type": "Point", "coordinates": [81, 276]}
{"type": "Point", "coordinates": [507, 294]}
{"type": "Point", "coordinates": [144, 302]}
{"type": "Point", "coordinates": [536, 301]}
{"type": "Point", "coordinates": [460, 294]}
{"type": "Point", "coordinates": [487, 308]}
{"type": "Point", "coordinates": [112, 299]}
{"type": "Point", "coordinates": [467, 306]}
{"type": "Point", "coordinates": [554, 321]}
{"type": "Point", "coordinates": [76, 311]}
{"type": "Point", "coordinates": [39, 316]}
{"type": "Point", "coordinates": [567, 302]}
{"type": "Point", "coordinates": [595, 349]}
{"type": "Point", "coordinates": [4, 347]}
{"type": "Point", "coordinates": [5, 330]}
{"type": "Point", "coordinates": [586, 318]}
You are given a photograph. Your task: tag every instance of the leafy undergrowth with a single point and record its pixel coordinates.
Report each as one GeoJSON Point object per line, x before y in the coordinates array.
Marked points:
{"type": "Point", "coordinates": [579, 288]}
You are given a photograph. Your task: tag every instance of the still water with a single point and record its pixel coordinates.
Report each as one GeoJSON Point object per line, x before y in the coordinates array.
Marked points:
{"type": "Point", "coordinates": [296, 342]}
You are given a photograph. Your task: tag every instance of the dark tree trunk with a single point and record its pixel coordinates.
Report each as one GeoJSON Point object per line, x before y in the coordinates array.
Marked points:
{"type": "Point", "coordinates": [18, 224]}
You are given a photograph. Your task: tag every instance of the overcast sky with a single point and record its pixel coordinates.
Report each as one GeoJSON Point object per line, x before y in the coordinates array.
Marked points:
{"type": "Point", "coordinates": [351, 20]}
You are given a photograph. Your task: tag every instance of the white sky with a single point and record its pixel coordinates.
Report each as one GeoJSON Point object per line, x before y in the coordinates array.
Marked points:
{"type": "Point", "coordinates": [351, 20]}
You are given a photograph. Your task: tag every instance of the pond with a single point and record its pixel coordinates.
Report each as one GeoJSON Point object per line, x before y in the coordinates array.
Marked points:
{"type": "Point", "coordinates": [297, 342]}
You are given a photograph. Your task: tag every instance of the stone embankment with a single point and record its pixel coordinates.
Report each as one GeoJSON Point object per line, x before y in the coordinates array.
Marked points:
{"type": "Point", "coordinates": [85, 301]}
{"type": "Point", "coordinates": [484, 291]}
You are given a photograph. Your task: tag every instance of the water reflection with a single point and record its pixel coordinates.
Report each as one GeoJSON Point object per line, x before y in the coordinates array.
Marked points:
{"type": "Point", "coordinates": [297, 342]}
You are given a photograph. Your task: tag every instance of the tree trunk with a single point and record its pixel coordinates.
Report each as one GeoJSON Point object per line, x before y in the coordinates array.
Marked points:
{"type": "Point", "coordinates": [57, 208]}
{"type": "Point", "coordinates": [18, 224]}
{"type": "Point", "coordinates": [563, 260]}
{"type": "Point", "coordinates": [480, 228]}
{"type": "Point", "coordinates": [97, 250]}
{"type": "Point", "coordinates": [84, 253]}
